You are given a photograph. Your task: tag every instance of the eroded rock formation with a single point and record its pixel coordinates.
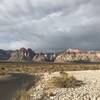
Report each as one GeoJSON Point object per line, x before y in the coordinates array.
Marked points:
{"type": "Point", "coordinates": [77, 55]}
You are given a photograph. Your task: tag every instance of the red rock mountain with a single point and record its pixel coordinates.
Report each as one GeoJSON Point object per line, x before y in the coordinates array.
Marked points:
{"type": "Point", "coordinates": [78, 55]}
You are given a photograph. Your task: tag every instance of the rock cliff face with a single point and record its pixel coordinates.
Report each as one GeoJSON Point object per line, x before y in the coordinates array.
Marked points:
{"type": "Point", "coordinates": [77, 55]}
{"type": "Point", "coordinates": [14, 56]}
{"type": "Point", "coordinates": [22, 55]}
{"type": "Point", "coordinates": [29, 55]}
{"type": "Point", "coordinates": [50, 57]}
{"type": "Point", "coordinates": [44, 57]}
{"type": "Point", "coordinates": [39, 57]}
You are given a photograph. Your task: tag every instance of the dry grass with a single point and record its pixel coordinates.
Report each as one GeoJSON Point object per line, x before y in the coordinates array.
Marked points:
{"type": "Point", "coordinates": [64, 81]}
{"type": "Point", "coordinates": [46, 67]}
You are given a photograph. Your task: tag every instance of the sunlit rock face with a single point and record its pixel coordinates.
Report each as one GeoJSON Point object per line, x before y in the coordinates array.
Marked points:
{"type": "Point", "coordinates": [44, 57]}
{"type": "Point", "coordinates": [23, 54]}
{"type": "Point", "coordinates": [77, 55]}
{"type": "Point", "coordinates": [39, 57]}
{"type": "Point", "coordinates": [14, 56]}
{"type": "Point", "coordinates": [26, 54]}
{"type": "Point", "coordinates": [50, 57]}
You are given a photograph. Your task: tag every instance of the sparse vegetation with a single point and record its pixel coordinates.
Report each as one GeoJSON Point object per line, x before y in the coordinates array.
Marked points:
{"type": "Point", "coordinates": [45, 67]}
{"type": "Point", "coordinates": [65, 81]}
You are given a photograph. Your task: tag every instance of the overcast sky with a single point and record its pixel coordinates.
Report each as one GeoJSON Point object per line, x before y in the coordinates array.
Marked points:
{"type": "Point", "coordinates": [50, 24]}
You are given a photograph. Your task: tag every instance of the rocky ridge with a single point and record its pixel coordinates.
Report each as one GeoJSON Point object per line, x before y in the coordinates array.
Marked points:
{"type": "Point", "coordinates": [78, 55]}
{"type": "Point", "coordinates": [69, 55]}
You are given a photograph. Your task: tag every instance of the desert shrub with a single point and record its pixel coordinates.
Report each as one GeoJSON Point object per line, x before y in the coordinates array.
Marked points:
{"type": "Point", "coordinates": [64, 81]}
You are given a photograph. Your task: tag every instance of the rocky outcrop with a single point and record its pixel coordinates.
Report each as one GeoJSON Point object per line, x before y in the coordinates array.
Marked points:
{"type": "Point", "coordinates": [29, 55]}
{"type": "Point", "coordinates": [26, 54]}
{"type": "Point", "coordinates": [77, 55]}
{"type": "Point", "coordinates": [44, 57]}
{"type": "Point", "coordinates": [50, 57]}
{"type": "Point", "coordinates": [39, 57]}
{"type": "Point", "coordinates": [22, 55]}
{"type": "Point", "coordinates": [14, 56]}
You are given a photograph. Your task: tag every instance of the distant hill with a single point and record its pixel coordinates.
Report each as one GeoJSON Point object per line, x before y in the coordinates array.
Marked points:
{"type": "Point", "coordinates": [23, 55]}
{"type": "Point", "coordinates": [4, 55]}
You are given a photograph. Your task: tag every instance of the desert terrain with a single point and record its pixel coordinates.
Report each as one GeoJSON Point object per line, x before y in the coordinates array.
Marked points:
{"type": "Point", "coordinates": [82, 81]}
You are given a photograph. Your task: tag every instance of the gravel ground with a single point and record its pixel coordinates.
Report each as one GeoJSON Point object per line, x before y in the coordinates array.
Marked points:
{"type": "Point", "coordinates": [90, 90]}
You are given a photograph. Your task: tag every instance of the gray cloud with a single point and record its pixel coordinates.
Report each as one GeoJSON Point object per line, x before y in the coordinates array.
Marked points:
{"type": "Point", "coordinates": [50, 24]}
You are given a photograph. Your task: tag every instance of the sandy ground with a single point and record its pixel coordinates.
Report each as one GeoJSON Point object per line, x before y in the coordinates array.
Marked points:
{"type": "Point", "coordinates": [89, 91]}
